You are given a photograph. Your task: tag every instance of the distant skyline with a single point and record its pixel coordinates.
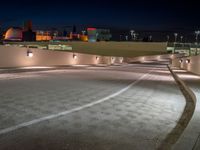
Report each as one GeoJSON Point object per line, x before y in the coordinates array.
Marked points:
{"type": "Point", "coordinates": [141, 15]}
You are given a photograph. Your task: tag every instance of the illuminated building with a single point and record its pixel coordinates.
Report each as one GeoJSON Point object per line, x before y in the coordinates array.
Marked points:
{"type": "Point", "coordinates": [13, 34]}
{"type": "Point", "coordinates": [98, 34]}
{"type": "Point", "coordinates": [84, 38]}
{"type": "Point", "coordinates": [43, 35]}
{"type": "Point", "coordinates": [92, 34]}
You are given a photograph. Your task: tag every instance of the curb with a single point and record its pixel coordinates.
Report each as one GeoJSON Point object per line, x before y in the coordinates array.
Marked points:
{"type": "Point", "coordinates": [190, 98]}
{"type": "Point", "coordinates": [190, 93]}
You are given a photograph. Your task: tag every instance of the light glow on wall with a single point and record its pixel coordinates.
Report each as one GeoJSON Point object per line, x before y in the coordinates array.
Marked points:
{"type": "Point", "coordinates": [121, 59]}
{"type": "Point", "coordinates": [187, 61]}
{"type": "Point", "coordinates": [97, 58]}
{"type": "Point", "coordinates": [29, 53]}
{"type": "Point", "coordinates": [74, 56]}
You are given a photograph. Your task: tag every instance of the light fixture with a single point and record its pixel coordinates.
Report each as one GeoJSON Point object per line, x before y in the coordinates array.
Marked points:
{"type": "Point", "coordinates": [29, 53]}
{"type": "Point", "coordinates": [187, 61]}
{"type": "Point", "coordinates": [180, 61]}
{"type": "Point", "coordinates": [74, 56]}
{"type": "Point", "coordinates": [121, 59]}
{"type": "Point", "coordinates": [97, 57]}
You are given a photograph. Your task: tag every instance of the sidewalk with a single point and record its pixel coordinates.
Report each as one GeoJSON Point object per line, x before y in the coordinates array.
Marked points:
{"type": "Point", "coordinates": [190, 139]}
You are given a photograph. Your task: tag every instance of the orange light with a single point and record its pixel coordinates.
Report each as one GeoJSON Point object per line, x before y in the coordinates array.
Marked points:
{"type": "Point", "coordinates": [43, 38]}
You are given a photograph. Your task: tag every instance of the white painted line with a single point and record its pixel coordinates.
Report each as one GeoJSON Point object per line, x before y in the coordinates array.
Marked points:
{"type": "Point", "coordinates": [25, 124]}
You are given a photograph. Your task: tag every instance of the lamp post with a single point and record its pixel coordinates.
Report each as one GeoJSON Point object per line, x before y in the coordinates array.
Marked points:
{"type": "Point", "coordinates": [132, 34]}
{"type": "Point", "coordinates": [167, 38]}
{"type": "Point", "coordinates": [126, 37]}
{"type": "Point", "coordinates": [150, 38]}
{"type": "Point", "coordinates": [83, 32]}
{"type": "Point", "coordinates": [175, 39]}
{"type": "Point", "coordinates": [197, 34]}
{"type": "Point", "coordinates": [135, 36]}
{"type": "Point", "coordinates": [181, 38]}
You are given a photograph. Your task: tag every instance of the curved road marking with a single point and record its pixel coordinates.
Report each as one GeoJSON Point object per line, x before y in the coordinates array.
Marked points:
{"type": "Point", "coordinates": [25, 124]}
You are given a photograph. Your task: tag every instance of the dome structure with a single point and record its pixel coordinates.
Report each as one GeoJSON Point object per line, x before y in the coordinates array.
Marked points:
{"type": "Point", "coordinates": [13, 34]}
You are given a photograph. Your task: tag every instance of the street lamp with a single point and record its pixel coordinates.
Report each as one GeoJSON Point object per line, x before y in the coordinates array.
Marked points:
{"type": "Point", "coordinates": [150, 38]}
{"type": "Point", "coordinates": [167, 38]}
{"type": "Point", "coordinates": [197, 34]}
{"type": "Point", "coordinates": [181, 38]}
{"type": "Point", "coordinates": [175, 37]}
{"type": "Point", "coordinates": [126, 37]}
{"type": "Point", "coordinates": [132, 34]}
{"type": "Point", "coordinates": [135, 36]}
{"type": "Point", "coordinates": [83, 32]}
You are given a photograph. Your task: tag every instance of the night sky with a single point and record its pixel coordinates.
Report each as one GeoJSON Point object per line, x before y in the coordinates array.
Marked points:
{"type": "Point", "coordinates": [144, 15]}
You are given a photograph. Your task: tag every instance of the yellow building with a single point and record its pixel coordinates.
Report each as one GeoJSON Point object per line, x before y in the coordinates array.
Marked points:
{"type": "Point", "coordinates": [43, 36]}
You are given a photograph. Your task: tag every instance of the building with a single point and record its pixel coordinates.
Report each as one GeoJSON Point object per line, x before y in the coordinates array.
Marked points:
{"type": "Point", "coordinates": [95, 34]}
{"type": "Point", "coordinates": [28, 34]}
{"type": "Point", "coordinates": [103, 35]}
{"type": "Point", "coordinates": [43, 35]}
{"type": "Point", "coordinates": [92, 34]}
{"type": "Point", "coordinates": [14, 34]}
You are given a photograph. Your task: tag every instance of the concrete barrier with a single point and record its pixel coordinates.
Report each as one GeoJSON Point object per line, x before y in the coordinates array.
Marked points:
{"type": "Point", "coordinates": [166, 57]}
{"type": "Point", "coordinates": [11, 56]}
{"type": "Point", "coordinates": [191, 66]}
{"type": "Point", "coordinates": [118, 49]}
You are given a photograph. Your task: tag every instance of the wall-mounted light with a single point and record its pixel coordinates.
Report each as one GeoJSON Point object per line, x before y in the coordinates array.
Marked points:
{"type": "Point", "coordinates": [74, 56]}
{"type": "Point", "coordinates": [112, 60]}
{"type": "Point", "coordinates": [97, 57]}
{"type": "Point", "coordinates": [121, 59]}
{"type": "Point", "coordinates": [187, 61]}
{"type": "Point", "coordinates": [180, 61]}
{"type": "Point", "coordinates": [29, 53]}
{"type": "Point", "coordinates": [143, 58]}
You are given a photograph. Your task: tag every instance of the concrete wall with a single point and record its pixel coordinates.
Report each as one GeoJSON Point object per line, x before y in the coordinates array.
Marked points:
{"type": "Point", "coordinates": [193, 66]}
{"type": "Point", "coordinates": [166, 57]}
{"type": "Point", "coordinates": [119, 49]}
{"type": "Point", "coordinates": [17, 57]}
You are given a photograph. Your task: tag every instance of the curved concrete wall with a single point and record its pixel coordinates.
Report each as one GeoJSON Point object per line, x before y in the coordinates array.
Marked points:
{"type": "Point", "coordinates": [17, 57]}
{"type": "Point", "coordinates": [166, 57]}
{"type": "Point", "coordinates": [119, 49]}
{"type": "Point", "coordinates": [192, 66]}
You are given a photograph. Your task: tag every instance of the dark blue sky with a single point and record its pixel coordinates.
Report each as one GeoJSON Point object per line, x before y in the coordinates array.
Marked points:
{"type": "Point", "coordinates": [147, 15]}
